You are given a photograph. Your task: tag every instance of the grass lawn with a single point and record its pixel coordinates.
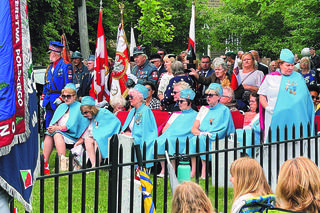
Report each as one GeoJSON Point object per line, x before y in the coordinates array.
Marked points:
{"type": "Point", "coordinates": [103, 193]}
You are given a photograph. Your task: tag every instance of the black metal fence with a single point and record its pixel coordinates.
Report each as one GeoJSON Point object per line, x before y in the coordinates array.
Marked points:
{"type": "Point", "coordinates": [223, 152]}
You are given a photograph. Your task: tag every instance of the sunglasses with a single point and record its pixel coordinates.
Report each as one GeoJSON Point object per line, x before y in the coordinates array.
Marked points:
{"type": "Point", "coordinates": [174, 93]}
{"type": "Point", "coordinates": [210, 95]}
{"type": "Point", "coordinates": [181, 101]}
{"type": "Point", "coordinates": [66, 96]}
{"type": "Point", "coordinates": [85, 112]}
{"type": "Point", "coordinates": [315, 97]}
{"type": "Point", "coordinates": [161, 53]}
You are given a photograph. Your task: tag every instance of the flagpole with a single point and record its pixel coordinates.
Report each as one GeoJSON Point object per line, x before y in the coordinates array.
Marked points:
{"type": "Point", "coordinates": [121, 6]}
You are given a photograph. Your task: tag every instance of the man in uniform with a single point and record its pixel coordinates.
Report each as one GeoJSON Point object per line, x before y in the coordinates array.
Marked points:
{"type": "Point", "coordinates": [86, 83]}
{"type": "Point", "coordinates": [143, 70]}
{"type": "Point", "coordinates": [80, 70]}
{"type": "Point", "coordinates": [58, 74]}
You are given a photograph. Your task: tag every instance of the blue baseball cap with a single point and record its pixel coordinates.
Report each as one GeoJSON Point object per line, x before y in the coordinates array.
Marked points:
{"type": "Point", "coordinates": [142, 89]}
{"type": "Point", "coordinates": [71, 86]}
{"type": "Point", "coordinates": [216, 87]}
{"type": "Point", "coordinates": [187, 94]}
{"type": "Point", "coordinates": [87, 100]}
{"type": "Point", "coordinates": [287, 56]}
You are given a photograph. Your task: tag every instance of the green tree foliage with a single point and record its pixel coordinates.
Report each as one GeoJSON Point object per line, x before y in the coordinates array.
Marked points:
{"type": "Point", "coordinates": [266, 25]}
{"type": "Point", "coordinates": [47, 19]}
{"type": "Point", "coordinates": [154, 24]}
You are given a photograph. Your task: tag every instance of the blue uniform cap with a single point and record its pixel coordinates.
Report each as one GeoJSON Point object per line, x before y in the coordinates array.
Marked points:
{"type": "Point", "coordinates": [142, 89]}
{"type": "Point", "coordinates": [138, 50]}
{"type": "Point", "coordinates": [216, 87]}
{"type": "Point", "coordinates": [287, 56]}
{"type": "Point", "coordinates": [71, 86]}
{"type": "Point", "coordinates": [91, 58]}
{"type": "Point", "coordinates": [187, 94]}
{"type": "Point", "coordinates": [87, 100]}
{"type": "Point", "coordinates": [56, 46]}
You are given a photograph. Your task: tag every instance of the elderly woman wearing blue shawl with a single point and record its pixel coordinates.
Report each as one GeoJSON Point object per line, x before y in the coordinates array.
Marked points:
{"type": "Point", "coordinates": [103, 124]}
{"type": "Point", "coordinates": [66, 125]}
{"type": "Point", "coordinates": [178, 126]}
{"type": "Point", "coordinates": [140, 122]}
{"type": "Point", "coordinates": [209, 122]}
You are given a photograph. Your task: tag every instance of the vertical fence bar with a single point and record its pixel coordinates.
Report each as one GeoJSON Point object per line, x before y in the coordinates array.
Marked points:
{"type": "Point", "coordinates": [285, 144]}
{"type": "Point", "coordinates": [176, 160]}
{"type": "Point", "coordinates": [252, 143]}
{"type": "Point", "coordinates": [278, 151]}
{"type": "Point", "coordinates": [165, 181]}
{"type": "Point", "coordinates": [269, 155]}
{"type": "Point", "coordinates": [293, 141]}
{"type": "Point", "coordinates": [96, 183]}
{"type": "Point", "coordinates": [261, 147]}
{"type": "Point", "coordinates": [309, 144]}
{"type": "Point", "coordinates": [84, 184]}
{"type": "Point", "coordinates": [216, 175]}
{"type": "Point", "coordinates": [56, 185]}
{"type": "Point", "coordinates": [70, 183]}
{"type": "Point", "coordinates": [41, 184]}
{"type": "Point", "coordinates": [155, 171]}
{"type": "Point", "coordinates": [207, 166]}
{"type": "Point", "coordinates": [316, 149]}
{"type": "Point", "coordinates": [301, 140]}
{"type": "Point", "coordinates": [131, 179]}
{"type": "Point", "coordinates": [197, 160]}
{"type": "Point", "coordinates": [244, 136]}
{"type": "Point", "coordinates": [113, 174]}
{"type": "Point", "coordinates": [226, 175]}
{"type": "Point", "coordinates": [235, 145]}
{"type": "Point", "coordinates": [120, 178]}
{"type": "Point", "coordinates": [144, 150]}
{"type": "Point", "coordinates": [11, 205]}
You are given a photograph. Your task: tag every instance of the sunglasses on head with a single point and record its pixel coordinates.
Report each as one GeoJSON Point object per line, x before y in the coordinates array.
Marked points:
{"type": "Point", "coordinates": [66, 96]}
{"type": "Point", "coordinates": [210, 95]}
{"type": "Point", "coordinates": [315, 97]}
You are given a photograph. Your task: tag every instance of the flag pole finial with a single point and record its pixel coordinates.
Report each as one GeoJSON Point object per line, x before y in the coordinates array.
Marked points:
{"type": "Point", "coordinates": [101, 5]}
{"type": "Point", "coordinates": [121, 6]}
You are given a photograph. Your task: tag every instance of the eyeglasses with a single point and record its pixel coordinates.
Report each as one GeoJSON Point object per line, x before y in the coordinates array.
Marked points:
{"type": "Point", "coordinates": [315, 97]}
{"type": "Point", "coordinates": [154, 62]}
{"type": "Point", "coordinates": [174, 93]}
{"type": "Point", "coordinates": [161, 53]}
{"type": "Point", "coordinates": [210, 95]}
{"type": "Point", "coordinates": [247, 59]}
{"type": "Point", "coordinates": [66, 96]}
{"type": "Point", "coordinates": [181, 101]}
{"type": "Point", "coordinates": [149, 89]}
{"type": "Point", "coordinates": [131, 97]}
{"type": "Point", "coordinates": [85, 112]}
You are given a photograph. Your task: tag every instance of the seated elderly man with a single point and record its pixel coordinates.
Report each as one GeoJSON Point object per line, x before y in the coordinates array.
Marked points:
{"type": "Point", "coordinates": [213, 121]}
{"type": "Point", "coordinates": [178, 126]}
{"type": "Point", "coordinates": [228, 100]}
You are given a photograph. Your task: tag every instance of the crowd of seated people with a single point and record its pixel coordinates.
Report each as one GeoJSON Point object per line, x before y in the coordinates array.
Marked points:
{"type": "Point", "coordinates": [256, 100]}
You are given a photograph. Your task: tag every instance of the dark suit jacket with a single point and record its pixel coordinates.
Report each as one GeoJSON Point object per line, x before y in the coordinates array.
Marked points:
{"type": "Point", "coordinates": [85, 86]}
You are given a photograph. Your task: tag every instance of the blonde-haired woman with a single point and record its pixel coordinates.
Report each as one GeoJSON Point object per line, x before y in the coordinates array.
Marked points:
{"type": "Point", "coordinates": [248, 181]}
{"type": "Point", "coordinates": [66, 126]}
{"type": "Point", "coordinates": [189, 197]}
{"type": "Point", "coordinates": [165, 77]}
{"type": "Point", "coordinates": [298, 187]}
